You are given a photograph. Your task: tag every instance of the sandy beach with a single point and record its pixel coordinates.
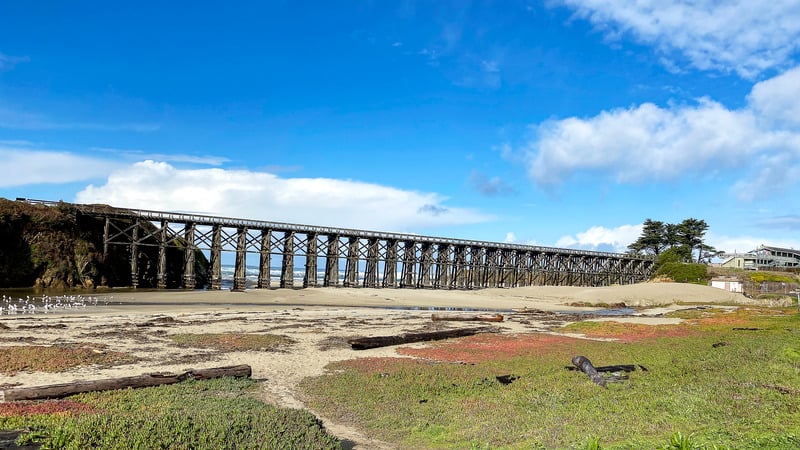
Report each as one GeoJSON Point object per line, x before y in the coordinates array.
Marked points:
{"type": "Point", "coordinates": [319, 321]}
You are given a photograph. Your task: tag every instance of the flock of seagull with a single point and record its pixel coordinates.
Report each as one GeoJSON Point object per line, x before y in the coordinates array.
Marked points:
{"type": "Point", "coordinates": [48, 303]}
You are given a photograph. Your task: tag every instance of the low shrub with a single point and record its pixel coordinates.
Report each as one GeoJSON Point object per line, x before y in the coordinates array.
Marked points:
{"type": "Point", "coordinates": [209, 414]}
{"type": "Point", "coordinates": [684, 273]}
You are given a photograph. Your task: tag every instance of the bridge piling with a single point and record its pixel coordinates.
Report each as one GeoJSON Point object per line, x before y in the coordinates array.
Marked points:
{"type": "Point", "coordinates": [135, 255]}
{"type": "Point", "coordinates": [215, 258]}
{"type": "Point", "coordinates": [162, 256]}
{"type": "Point", "coordinates": [331, 262]}
{"type": "Point", "coordinates": [390, 266]}
{"type": "Point", "coordinates": [189, 279]}
{"type": "Point", "coordinates": [264, 260]}
{"type": "Point", "coordinates": [240, 268]}
{"type": "Point", "coordinates": [287, 265]}
{"type": "Point", "coordinates": [310, 277]}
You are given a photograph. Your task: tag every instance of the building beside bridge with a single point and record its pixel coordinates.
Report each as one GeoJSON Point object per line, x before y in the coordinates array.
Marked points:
{"type": "Point", "coordinates": [764, 258]}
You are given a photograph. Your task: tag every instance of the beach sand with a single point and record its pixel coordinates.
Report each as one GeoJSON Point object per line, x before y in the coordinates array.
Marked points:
{"type": "Point", "coordinates": [318, 320]}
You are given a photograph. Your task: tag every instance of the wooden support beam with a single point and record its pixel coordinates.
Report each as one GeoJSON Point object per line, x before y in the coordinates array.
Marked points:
{"type": "Point", "coordinates": [216, 258]}
{"type": "Point", "coordinates": [265, 260]}
{"type": "Point", "coordinates": [371, 263]}
{"type": "Point", "coordinates": [310, 277]}
{"type": "Point", "coordinates": [424, 279]}
{"type": "Point", "coordinates": [351, 266]}
{"type": "Point", "coordinates": [240, 268]}
{"type": "Point", "coordinates": [189, 279]}
{"type": "Point", "coordinates": [458, 277]}
{"type": "Point", "coordinates": [442, 276]}
{"type": "Point", "coordinates": [390, 266]}
{"type": "Point", "coordinates": [161, 278]}
{"type": "Point", "coordinates": [106, 256]}
{"type": "Point", "coordinates": [332, 262]}
{"type": "Point", "coordinates": [287, 266]}
{"type": "Point", "coordinates": [135, 255]}
{"type": "Point", "coordinates": [409, 264]}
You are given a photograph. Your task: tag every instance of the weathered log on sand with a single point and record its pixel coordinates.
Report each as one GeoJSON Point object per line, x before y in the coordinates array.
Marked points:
{"type": "Point", "coordinates": [67, 389]}
{"type": "Point", "coordinates": [583, 363]}
{"type": "Point", "coordinates": [468, 317]}
{"type": "Point", "coordinates": [385, 341]}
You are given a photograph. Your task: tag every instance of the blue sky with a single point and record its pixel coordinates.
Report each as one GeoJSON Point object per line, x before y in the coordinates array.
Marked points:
{"type": "Point", "coordinates": [560, 122]}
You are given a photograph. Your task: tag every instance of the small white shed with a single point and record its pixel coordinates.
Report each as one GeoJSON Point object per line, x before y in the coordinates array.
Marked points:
{"type": "Point", "coordinates": [728, 284]}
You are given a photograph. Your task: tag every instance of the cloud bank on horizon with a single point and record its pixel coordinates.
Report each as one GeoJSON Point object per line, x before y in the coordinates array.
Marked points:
{"type": "Point", "coordinates": [731, 152]}
{"type": "Point", "coordinates": [247, 194]}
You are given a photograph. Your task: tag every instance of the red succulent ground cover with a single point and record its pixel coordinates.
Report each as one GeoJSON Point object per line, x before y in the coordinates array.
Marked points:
{"type": "Point", "coordinates": [635, 332]}
{"type": "Point", "coordinates": [64, 407]}
{"type": "Point", "coordinates": [489, 347]}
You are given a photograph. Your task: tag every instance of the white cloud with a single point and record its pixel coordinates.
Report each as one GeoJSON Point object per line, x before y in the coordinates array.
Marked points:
{"type": "Point", "coordinates": [265, 196]}
{"type": "Point", "coordinates": [652, 143]}
{"type": "Point", "coordinates": [617, 240]}
{"type": "Point", "coordinates": [15, 119]}
{"type": "Point", "coordinates": [139, 155]}
{"type": "Point", "coordinates": [742, 244]}
{"type": "Point", "coordinates": [8, 62]}
{"type": "Point", "coordinates": [490, 187]}
{"type": "Point", "coordinates": [27, 167]}
{"type": "Point", "coordinates": [778, 99]}
{"type": "Point", "coordinates": [602, 238]}
{"type": "Point", "coordinates": [744, 36]}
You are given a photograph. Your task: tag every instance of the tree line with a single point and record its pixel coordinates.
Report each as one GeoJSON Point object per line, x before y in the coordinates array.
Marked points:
{"type": "Point", "coordinates": [683, 241]}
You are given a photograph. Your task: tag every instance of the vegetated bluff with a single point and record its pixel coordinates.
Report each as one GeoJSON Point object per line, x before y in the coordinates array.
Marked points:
{"type": "Point", "coordinates": [57, 247]}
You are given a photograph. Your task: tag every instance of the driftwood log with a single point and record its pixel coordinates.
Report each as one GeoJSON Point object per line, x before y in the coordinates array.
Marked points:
{"type": "Point", "coordinates": [615, 368]}
{"type": "Point", "coordinates": [67, 389]}
{"type": "Point", "coordinates": [583, 363]}
{"type": "Point", "coordinates": [468, 317]}
{"type": "Point", "coordinates": [385, 341]}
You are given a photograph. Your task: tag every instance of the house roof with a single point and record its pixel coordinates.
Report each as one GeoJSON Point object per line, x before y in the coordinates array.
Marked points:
{"type": "Point", "coordinates": [796, 253]}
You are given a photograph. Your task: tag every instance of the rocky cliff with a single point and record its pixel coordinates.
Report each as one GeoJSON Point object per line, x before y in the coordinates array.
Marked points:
{"type": "Point", "coordinates": [55, 247]}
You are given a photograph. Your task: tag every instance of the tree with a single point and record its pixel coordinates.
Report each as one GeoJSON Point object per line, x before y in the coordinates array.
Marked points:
{"type": "Point", "coordinates": [685, 237]}
{"type": "Point", "coordinates": [708, 253]}
{"type": "Point", "coordinates": [652, 239]}
{"type": "Point", "coordinates": [691, 233]}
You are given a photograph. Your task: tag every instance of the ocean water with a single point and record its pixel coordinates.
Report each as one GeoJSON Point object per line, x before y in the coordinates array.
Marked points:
{"type": "Point", "coordinates": [251, 275]}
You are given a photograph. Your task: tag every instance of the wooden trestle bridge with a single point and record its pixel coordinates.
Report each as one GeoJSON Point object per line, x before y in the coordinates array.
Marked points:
{"type": "Point", "coordinates": [367, 259]}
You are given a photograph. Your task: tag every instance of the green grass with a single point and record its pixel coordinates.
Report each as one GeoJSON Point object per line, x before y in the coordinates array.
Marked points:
{"type": "Point", "coordinates": [211, 414]}
{"type": "Point", "coordinates": [232, 341]}
{"type": "Point", "coordinates": [743, 392]}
